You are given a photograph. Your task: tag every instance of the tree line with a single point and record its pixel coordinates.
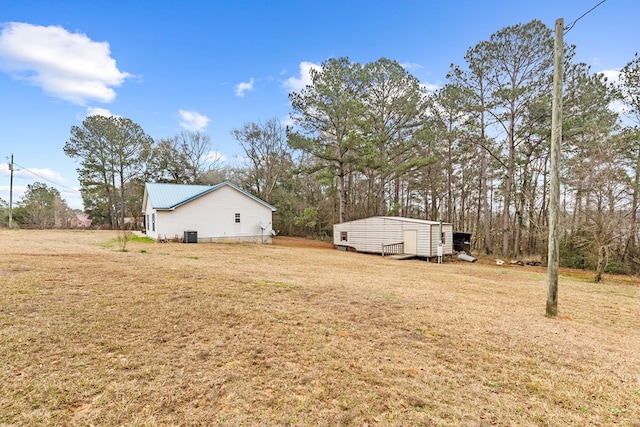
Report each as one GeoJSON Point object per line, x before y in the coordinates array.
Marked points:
{"type": "Point", "coordinates": [370, 139]}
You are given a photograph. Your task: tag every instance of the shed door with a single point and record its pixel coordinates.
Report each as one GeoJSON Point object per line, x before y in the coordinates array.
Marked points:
{"type": "Point", "coordinates": [411, 242]}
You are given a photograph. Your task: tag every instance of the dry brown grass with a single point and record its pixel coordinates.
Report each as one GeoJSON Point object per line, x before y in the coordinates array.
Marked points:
{"type": "Point", "coordinates": [237, 334]}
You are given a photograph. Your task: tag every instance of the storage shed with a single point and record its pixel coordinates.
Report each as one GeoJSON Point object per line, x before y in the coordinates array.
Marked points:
{"type": "Point", "coordinates": [203, 213]}
{"type": "Point", "coordinates": [388, 235]}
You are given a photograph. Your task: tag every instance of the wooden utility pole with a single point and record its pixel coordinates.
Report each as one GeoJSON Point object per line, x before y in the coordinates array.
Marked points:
{"type": "Point", "coordinates": [11, 193]}
{"type": "Point", "coordinates": [554, 192]}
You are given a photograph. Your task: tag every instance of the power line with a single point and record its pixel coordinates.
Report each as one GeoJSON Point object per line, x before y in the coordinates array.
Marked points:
{"type": "Point", "coordinates": [571, 25]}
{"type": "Point", "coordinates": [46, 179]}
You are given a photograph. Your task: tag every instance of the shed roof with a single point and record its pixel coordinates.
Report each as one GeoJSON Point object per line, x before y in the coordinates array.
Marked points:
{"type": "Point", "coordinates": [400, 218]}
{"type": "Point", "coordinates": [164, 196]}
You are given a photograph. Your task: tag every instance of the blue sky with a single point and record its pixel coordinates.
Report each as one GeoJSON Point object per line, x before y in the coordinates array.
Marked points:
{"type": "Point", "coordinates": [214, 65]}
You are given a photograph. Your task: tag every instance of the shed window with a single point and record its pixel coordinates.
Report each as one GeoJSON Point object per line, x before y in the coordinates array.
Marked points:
{"type": "Point", "coordinates": [442, 238]}
{"type": "Point", "coordinates": [343, 236]}
{"type": "Point", "coordinates": [153, 222]}
{"type": "Point", "coordinates": [237, 217]}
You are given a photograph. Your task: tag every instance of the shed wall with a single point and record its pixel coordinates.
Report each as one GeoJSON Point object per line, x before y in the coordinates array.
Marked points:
{"type": "Point", "coordinates": [447, 247]}
{"type": "Point", "coordinates": [369, 234]}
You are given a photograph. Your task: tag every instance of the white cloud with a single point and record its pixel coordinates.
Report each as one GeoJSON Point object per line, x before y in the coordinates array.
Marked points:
{"type": "Point", "coordinates": [18, 192]}
{"type": "Point", "coordinates": [215, 157]}
{"type": "Point", "coordinates": [192, 120]}
{"type": "Point", "coordinates": [618, 107]}
{"type": "Point", "coordinates": [4, 170]}
{"type": "Point", "coordinates": [430, 87]}
{"type": "Point", "coordinates": [96, 111]}
{"type": "Point", "coordinates": [46, 174]}
{"type": "Point", "coordinates": [287, 122]}
{"type": "Point", "coordinates": [65, 65]}
{"type": "Point", "coordinates": [32, 173]}
{"type": "Point", "coordinates": [295, 84]}
{"type": "Point", "coordinates": [613, 76]}
{"type": "Point", "coordinates": [243, 87]}
{"type": "Point", "coordinates": [411, 66]}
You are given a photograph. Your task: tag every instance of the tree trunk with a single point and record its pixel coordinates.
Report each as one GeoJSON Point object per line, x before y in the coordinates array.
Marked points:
{"type": "Point", "coordinates": [486, 208]}
{"type": "Point", "coordinates": [506, 217]}
{"type": "Point", "coordinates": [341, 193]}
{"type": "Point", "coordinates": [508, 185]}
{"type": "Point", "coordinates": [122, 201]}
{"type": "Point", "coordinates": [602, 263]}
{"type": "Point", "coordinates": [449, 217]}
{"type": "Point", "coordinates": [630, 251]}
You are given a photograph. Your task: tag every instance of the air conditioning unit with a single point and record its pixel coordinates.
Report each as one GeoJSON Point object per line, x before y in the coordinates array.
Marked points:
{"type": "Point", "coordinates": [190, 237]}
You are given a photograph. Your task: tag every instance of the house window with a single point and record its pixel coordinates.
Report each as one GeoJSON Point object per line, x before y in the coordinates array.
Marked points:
{"type": "Point", "coordinates": [343, 236]}
{"type": "Point", "coordinates": [146, 223]}
{"type": "Point", "coordinates": [442, 238]}
{"type": "Point", "coordinates": [237, 217]}
{"type": "Point", "coordinates": [153, 222]}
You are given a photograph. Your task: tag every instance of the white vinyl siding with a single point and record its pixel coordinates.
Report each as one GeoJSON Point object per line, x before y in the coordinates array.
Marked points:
{"type": "Point", "coordinates": [213, 217]}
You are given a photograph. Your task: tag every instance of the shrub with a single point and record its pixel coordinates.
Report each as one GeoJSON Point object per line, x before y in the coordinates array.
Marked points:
{"type": "Point", "coordinates": [575, 251]}
{"type": "Point", "coordinates": [616, 267]}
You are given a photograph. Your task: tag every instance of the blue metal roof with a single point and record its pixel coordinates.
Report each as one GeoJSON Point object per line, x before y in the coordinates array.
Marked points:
{"type": "Point", "coordinates": [170, 196]}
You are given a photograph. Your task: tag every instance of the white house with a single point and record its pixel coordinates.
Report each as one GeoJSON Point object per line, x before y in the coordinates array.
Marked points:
{"type": "Point", "coordinates": [203, 213]}
{"type": "Point", "coordinates": [394, 235]}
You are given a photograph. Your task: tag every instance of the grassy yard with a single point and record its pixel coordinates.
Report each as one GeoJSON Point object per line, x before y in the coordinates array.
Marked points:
{"type": "Point", "coordinates": [296, 334]}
